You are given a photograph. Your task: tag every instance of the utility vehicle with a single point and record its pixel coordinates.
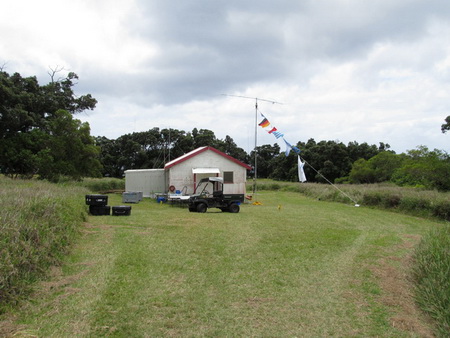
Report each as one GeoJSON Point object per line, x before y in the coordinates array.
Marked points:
{"type": "Point", "coordinates": [200, 202]}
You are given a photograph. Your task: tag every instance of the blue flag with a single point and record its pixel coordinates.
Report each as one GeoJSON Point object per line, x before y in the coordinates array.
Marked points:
{"type": "Point", "coordinates": [288, 147]}
{"type": "Point", "coordinates": [277, 134]}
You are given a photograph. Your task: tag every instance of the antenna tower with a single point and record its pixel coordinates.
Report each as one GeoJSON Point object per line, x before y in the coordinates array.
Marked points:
{"type": "Point", "coordinates": [256, 136]}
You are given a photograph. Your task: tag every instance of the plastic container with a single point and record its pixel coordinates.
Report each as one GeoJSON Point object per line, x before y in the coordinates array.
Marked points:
{"type": "Point", "coordinates": [131, 197]}
{"type": "Point", "coordinates": [96, 199]}
{"type": "Point", "coordinates": [100, 210]}
{"type": "Point", "coordinates": [121, 210]}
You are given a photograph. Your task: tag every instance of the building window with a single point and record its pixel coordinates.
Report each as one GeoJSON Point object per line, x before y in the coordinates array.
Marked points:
{"type": "Point", "coordinates": [227, 177]}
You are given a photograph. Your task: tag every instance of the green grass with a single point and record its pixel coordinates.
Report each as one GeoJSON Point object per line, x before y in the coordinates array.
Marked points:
{"type": "Point", "coordinates": [432, 274]}
{"type": "Point", "coordinates": [293, 266]}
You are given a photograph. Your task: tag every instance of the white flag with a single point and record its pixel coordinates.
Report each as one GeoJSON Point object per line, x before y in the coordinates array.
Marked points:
{"type": "Point", "coordinates": [301, 173]}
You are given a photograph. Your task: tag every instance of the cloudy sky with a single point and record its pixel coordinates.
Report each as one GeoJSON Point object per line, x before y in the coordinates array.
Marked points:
{"type": "Point", "coordinates": [345, 70]}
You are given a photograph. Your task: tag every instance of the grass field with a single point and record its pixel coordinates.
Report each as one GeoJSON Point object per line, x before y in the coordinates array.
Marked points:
{"type": "Point", "coordinates": [292, 266]}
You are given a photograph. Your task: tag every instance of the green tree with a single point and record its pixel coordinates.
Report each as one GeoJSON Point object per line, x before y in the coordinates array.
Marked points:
{"type": "Point", "coordinates": [69, 149]}
{"type": "Point", "coordinates": [108, 156]}
{"type": "Point", "coordinates": [266, 159]}
{"type": "Point", "coordinates": [21, 104]}
{"type": "Point", "coordinates": [364, 150]}
{"type": "Point", "coordinates": [362, 172]}
{"type": "Point", "coordinates": [19, 155]}
{"type": "Point", "coordinates": [330, 159]}
{"type": "Point", "coordinates": [183, 144]}
{"type": "Point", "coordinates": [423, 167]}
{"type": "Point", "coordinates": [60, 95]}
{"type": "Point", "coordinates": [131, 154]}
{"type": "Point", "coordinates": [379, 168]}
{"type": "Point", "coordinates": [176, 143]}
{"type": "Point", "coordinates": [446, 126]}
{"type": "Point", "coordinates": [229, 147]}
{"type": "Point", "coordinates": [28, 112]}
{"type": "Point", "coordinates": [204, 137]}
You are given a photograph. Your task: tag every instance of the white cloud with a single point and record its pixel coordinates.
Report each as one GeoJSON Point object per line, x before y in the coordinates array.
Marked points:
{"type": "Point", "coordinates": [345, 70]}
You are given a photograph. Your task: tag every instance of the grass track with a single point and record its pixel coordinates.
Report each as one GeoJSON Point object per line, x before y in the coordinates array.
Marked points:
{"type": "Point", "coordinates": [290, 267]}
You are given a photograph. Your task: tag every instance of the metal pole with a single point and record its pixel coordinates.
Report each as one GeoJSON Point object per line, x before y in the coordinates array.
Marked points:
{"type": "Point", "coordinates": [256, 151]}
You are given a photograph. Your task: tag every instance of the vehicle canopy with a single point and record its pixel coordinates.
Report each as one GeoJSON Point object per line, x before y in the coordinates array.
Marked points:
{"type": "Point", "coordinates": [217, 184]}
{"type": "Point", "coordinates": [212, 179]}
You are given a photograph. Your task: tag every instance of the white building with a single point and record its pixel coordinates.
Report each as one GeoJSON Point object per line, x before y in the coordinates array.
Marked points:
{"type": "Point", "coordinates": [183, 174]}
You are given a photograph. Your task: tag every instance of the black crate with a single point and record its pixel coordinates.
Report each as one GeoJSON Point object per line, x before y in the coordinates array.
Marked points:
{"type": "Point", "coordinates": [100, 210]}
{"type": "Point", "coordinates": [121, 210]}
{"type": "Point", "coordinates": [96, 199]}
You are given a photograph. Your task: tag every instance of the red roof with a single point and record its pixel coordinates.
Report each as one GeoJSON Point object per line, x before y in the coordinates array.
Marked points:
{"type": "Point", "coordinates": [200, 150]}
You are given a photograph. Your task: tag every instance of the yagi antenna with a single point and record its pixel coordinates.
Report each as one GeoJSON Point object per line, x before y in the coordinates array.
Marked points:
{"type": "Point", "coordinates": [253, 98]}
{"type": "Point", "coordinates": [256, 133]}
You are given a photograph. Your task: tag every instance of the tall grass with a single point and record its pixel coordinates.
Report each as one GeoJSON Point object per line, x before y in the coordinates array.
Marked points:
{"type": "Point", "coordinates": [418, 202]}
{"type": "Point", "coordinates": [432, 276]}
{"type": "Point", "coordinates": [99, 184]}
{"type": "Point", "coordinates": [38, 222]}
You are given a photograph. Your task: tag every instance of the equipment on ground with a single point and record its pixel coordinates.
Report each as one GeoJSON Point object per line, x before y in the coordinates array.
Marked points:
{"type": "Point", "coordinates": [200, 202]}
{"type": "Point", "coordinates": [98, 206]}
{"type": "Point", "coordinates": [121, 210]}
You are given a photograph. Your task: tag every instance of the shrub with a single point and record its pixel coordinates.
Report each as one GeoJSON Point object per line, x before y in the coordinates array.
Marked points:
{"type": "Point", "coordinates": [432, 274]}
{"type": "Point", "coordinates": [392, 200]}
{"type": "Point", "coordinates": [411, 203]}
{"type": "Point", "coordinates": [441, 209]}
{"type": "Point", "coordinates": [372, 198]}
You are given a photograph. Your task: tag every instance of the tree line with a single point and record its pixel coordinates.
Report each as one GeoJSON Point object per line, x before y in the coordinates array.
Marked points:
{"type": "Point", "coordinates": [155, 147]}
{"type": "Point", "coordinates": [39, 136]}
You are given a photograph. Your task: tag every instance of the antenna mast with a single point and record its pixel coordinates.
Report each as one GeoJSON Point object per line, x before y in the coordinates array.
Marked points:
{"type": "Point", "coordinates": [256, 135]}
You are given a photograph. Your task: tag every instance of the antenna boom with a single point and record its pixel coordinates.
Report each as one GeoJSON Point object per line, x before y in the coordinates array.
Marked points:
{"type": "Point", "coordinates": [253, 98]}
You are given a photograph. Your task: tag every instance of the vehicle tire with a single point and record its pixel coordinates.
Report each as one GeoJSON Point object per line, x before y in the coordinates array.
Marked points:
{"type": "Point", "coordinates": [201, 207]}
{"type": "Point", "coordinates": [234, 208]}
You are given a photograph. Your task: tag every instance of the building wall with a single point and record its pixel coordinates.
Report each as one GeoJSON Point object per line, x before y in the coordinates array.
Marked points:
{"type": "Point", "coordinates": [181, 176]}
{"type": "Point", "coordinates": [149, 181]}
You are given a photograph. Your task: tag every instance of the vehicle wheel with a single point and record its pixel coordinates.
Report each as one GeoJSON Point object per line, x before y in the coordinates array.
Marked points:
{"type": "Point", "coordinates": [234, 208]}
{"type": "Point", "coordinates": [201, 207]}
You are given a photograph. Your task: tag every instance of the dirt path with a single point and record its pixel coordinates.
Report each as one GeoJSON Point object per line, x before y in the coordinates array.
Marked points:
{"type": "Point", "coordinates": [398, 289]}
